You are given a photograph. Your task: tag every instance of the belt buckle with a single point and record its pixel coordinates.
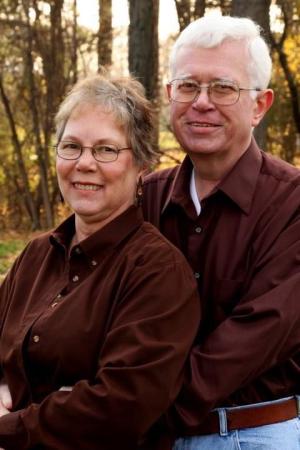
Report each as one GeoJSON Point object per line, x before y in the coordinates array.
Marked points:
{"type": "Point", "coordinates": [297, 398]}
{"type": "Point", "coordinates": [223, 425]}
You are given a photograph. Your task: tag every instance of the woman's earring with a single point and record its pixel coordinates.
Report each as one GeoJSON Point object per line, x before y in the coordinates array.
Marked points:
{"type": "Point", "coordinates": [139, 192]}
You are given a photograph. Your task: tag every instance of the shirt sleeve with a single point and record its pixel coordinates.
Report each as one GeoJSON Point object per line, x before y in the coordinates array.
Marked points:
{"type": "Point", "coordinates": [139, 373]}
{"type": "Point", "coordinates": [5, 293]}
{"type": "Point", "coordinates": [262, 331]}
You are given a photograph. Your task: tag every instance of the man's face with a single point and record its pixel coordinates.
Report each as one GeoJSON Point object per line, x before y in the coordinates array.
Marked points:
{"type": "Point", "coordinates": [203, 127]}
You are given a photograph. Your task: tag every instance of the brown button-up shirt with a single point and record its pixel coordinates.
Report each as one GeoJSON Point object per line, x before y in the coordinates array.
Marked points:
{"type": "Point", "coordinates": [110, 325]}
{"type": "Point", "coordinates": [244, 249]}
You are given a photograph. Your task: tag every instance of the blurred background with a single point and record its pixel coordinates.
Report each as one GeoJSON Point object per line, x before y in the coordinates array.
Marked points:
{"type": "Point", "coordinates": [46, 46]}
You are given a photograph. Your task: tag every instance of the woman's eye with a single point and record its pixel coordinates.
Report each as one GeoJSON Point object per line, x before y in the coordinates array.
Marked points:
{"type": "Point", "coordinates": [70, 146]}
{"type": "Point", "coordinates": [105, 149]}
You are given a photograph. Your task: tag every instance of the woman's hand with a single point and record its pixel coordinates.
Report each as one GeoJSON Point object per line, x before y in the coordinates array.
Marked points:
{"type": "Point", "coordinates": [5, 399]}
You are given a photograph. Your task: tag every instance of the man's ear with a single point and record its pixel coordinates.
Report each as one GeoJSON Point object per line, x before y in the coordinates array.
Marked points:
{"type": "Point", "coordinates": [263, 103]}
{"type": "Point", "coordinates": [168, 87]}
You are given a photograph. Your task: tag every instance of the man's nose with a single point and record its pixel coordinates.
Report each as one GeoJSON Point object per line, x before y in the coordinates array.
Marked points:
{"type": "Point", "coordinates": [203, 98]}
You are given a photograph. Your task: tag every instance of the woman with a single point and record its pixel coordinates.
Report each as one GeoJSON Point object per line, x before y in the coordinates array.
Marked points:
{"type": "Point", "coordinates": [93, 315]}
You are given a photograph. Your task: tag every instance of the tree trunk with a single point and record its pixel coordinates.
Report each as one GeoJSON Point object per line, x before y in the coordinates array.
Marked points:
{"type": "Point", "coordinates": [187, 12]}
{"type": "Point", "coordinates": [183, 8]}
{"type": "Point", "coordinates": [287, 11]}
{"type": "Point", "coordinates": [73, 55]}
{"type": "Point", "coordinates": [29, 201]}
{"type": "Point", "coordinates": [143, 49]}
{"type": "Point", "coordinates": [199, 9]}
{"type": "Point", "coordinates": [105, 34]}
{"type": "Point", "coordinates": [143, 44]}
{"type": "Point", "coordinates": [36, 122]}
{"type": "Point", "coordinates": [257, 10]}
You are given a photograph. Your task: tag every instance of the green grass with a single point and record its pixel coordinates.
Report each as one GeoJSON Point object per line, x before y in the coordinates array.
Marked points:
{"type": "Point", "coordinates": [9, 249]}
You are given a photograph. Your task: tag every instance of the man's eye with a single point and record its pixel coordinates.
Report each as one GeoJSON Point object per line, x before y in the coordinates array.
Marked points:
{"type": "Point", "coordinates": [224, 88]}
{"type": "Point", "coordinates": [187, 86]}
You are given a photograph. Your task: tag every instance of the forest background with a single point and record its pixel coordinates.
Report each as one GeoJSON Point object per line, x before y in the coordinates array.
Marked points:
{"type": "Point", "coordinates": [45, 48]}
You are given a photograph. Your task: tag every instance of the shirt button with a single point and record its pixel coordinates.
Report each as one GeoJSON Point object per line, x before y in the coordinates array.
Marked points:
{"type": "Point", "coordinates": [36, 338]}
{"type": "Point", "coordinates": [77, 250]}
{"type": "Point", "coordinates": [197, 275]}
{"type": "Point", "coordinates": [54, 304]}
{"type": "Point", "coordinates": [94, 263]}
{"type": "Point", "coordinates": [59, 296]}
{"type": "Point", "coordinates": [198, 230]}
{"type": "Point", "coordinates": [75, 278]}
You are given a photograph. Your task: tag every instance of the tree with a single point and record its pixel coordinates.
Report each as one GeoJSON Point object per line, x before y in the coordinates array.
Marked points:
{"type": "Point", "coordinates": [17, 146]}
{"type": "Point", "coordinates": [143, 53]}
{"type": "Point", "coordinates": [105, 34]}
{"type": "Point", "coordinates": [143, 44]}
{"type": "Point", "coordinates": [278, 45]}
{"type": "Point", "coordinates": [35, 75]}
{"type": "Point", "coordinates": [257, 10]}
{"type": "Point", "coordinates": [188, 11]}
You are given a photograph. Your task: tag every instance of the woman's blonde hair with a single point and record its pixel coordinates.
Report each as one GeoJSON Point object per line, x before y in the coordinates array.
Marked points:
{"type": "Point", "coordinates": [125, 99]}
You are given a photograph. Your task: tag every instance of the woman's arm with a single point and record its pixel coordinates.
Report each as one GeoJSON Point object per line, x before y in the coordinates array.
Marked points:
{"type": "Point", "coordinates": [140, 365]}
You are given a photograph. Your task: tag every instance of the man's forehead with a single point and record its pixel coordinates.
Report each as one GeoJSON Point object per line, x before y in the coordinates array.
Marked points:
{"type": "Point", "coordinates": [218, 62]}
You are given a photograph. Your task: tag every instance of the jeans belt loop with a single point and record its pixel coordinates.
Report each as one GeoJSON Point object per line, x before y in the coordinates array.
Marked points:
{"type": "Point", "coordinates": [298, 404]}
{"type": "Point", "coordinates": [223, 422]}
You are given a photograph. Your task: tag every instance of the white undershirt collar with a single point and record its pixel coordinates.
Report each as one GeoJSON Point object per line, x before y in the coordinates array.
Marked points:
{"type": "Point", "coordinates": [193, 193]}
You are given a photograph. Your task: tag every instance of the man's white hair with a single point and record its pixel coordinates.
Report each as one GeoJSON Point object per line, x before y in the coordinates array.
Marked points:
{"type": "Point", "coordinates": [211, 31]}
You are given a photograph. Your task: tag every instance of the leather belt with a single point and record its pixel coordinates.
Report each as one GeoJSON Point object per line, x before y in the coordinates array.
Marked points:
{"type": "Point", "coordinates": [248, 417]}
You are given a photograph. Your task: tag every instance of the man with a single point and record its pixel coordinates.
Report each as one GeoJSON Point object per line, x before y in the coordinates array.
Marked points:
{"type": "Point", "coordinates": [234, 211]}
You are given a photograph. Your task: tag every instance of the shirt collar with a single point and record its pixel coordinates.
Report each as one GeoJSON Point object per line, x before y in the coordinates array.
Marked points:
{"type": "Point", "coordinates": [106, 238]}
{"type": "Point", "coordinates": [179, 192]}
{"type": "Point", "coordinates": [239, 184]}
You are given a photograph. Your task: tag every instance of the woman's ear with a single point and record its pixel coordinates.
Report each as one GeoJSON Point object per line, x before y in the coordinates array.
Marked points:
{"type": "Point", "coordinates": [263, 103]}
{"type": "Point", "coordinates": [141, 173]}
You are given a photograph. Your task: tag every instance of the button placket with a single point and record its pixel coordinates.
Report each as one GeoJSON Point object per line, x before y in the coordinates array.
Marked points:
{"type": "Point", "coordinates": [56, 300]}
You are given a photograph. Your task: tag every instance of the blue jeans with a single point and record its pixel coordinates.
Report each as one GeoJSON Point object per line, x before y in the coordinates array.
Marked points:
{"type": "Point", "coordinates": [278, 436]}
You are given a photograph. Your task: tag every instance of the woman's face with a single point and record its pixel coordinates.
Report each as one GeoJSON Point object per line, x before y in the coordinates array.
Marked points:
{"type": "Point", "coordinates": [97, 192]}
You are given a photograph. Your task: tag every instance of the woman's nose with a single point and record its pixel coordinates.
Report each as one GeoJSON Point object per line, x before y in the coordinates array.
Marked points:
{"type": "Point", "coordinates": [86, 159]}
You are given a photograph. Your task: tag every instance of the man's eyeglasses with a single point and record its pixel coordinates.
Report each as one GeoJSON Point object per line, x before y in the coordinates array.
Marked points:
{"type": "Point", "coordinates": [104, 153]}
{"type": "Point", "coordinates": [220, 92]}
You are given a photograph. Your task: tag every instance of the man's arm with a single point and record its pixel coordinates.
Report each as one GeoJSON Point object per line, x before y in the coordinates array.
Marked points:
{"type": "Point", "coordinates": [261, 333]}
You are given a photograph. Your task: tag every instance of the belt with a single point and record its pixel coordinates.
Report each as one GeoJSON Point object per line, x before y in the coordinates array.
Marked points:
{"type": "Point", "coordinates": [248, 417]}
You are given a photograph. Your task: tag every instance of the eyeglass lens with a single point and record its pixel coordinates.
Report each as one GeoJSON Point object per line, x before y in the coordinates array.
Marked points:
{"type": "Point", "coordinates": [219, 92]}
{"type": "Point", "coordinates": [73, 150]}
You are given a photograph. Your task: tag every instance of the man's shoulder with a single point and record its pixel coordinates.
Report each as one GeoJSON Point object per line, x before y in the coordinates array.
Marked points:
{"type": "Point", "coordinates": [161, 176]}
{"type": "Point", "coordinates": [157, 187]}
{"type": "Point", "coordinates": [280, 170]}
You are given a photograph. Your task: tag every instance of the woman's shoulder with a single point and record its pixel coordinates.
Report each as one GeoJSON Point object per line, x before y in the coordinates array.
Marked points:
{"type": "Point", "coordinates": [40, 241]}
